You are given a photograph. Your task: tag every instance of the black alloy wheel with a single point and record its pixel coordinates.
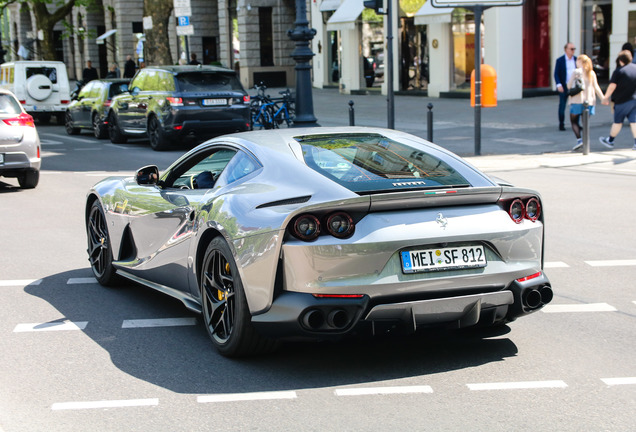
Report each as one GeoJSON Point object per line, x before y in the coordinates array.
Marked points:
{"type": "Point", "coordinates": [115, 134]}
{"type": "Point", "coordinates": [155, 134]}
{"type": "Point", "coordinates": [100, 254]}
{"type": "Point", "coordinates": [69, 125]}
{"type": "Point", "coordinates": [225, 312]}
{"type": "Point", "coordinates": [99, 128]}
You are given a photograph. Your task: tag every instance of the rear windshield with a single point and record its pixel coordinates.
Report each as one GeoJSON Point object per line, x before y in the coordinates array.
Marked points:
{"type": "Point", "coordinates": [8, 105]}
{"type": "Point", "coordinates": [208, 81]}
{"type": "Point", "coordinates": [368, 163]}
{"type": "Point", "coordinates": [49, 72]}
{"type": "Point", "coordinates": [117, 88]}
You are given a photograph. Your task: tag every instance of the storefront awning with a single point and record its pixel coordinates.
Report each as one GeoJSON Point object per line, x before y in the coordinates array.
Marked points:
{"type": "Point", "coordinates": [329, 5]}
{"type": "Point", "coordinates": [432, 15]}
{"type": "Point", "coordinates": [100, 40]}
{"type": "Point", "coordinates": [345, 17]}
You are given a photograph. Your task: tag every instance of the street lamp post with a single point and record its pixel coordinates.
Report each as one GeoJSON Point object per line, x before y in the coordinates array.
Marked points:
{"type": "Point", "coordinates": [302, 54]}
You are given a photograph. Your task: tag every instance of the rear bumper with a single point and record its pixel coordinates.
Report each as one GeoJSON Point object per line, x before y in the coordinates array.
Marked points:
{"type": "Point", "coordinates": [15, 162]}
{"type": "Point", "coordinates": [303, 315]}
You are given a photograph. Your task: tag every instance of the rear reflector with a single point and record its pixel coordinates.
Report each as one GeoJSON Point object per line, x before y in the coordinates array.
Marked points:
{"type": "Point", "coordinates": [532, 276]}
{"type": "Point", "coordinates": [338, 295]}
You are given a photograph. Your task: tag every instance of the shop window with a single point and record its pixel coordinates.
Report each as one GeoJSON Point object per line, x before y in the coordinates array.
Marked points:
{"type": "Point", "coordinates": [266, 36]}
{"type": "Point", "coordinates": [597, 26]}
{"type": "Point", "coordinates": [537, 68]}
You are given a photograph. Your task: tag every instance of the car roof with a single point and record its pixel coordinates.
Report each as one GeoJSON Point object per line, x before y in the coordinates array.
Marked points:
{"type": "Point", "coordinates": [190, 68]}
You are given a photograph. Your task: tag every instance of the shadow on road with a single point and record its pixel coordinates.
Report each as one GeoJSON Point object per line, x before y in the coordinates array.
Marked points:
{"type": "Point", "coordinates": [183, 360]}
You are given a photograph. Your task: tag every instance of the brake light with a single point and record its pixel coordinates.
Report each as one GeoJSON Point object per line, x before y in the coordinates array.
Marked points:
{"type": "Point", "coordinates": [64, 102]}
{"type": "Point", "coordinates": [338, 295]}
{"type": "Point", "coordinates": [246, 98]}
{"type": "Point", "coordinates": [175, 101]}
{"type": "Point", "coordinates": [308, 227]}
{"type": "Point", "coordinates": [178, 127]}
{"type": "Point", "coordinates": [107, 103]}
{"type": "Point", "coordinates": [532, 276]}
{"type": "Point", "coordinates": [21, 120]}
{"type": "Point", "coordinates": [38, 152]}
{"type": "Point", "coordinates": [527, 208]}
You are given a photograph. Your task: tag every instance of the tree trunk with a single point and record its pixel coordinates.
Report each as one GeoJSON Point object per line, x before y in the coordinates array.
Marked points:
{"type": "Point", "coordinates": [157, 38]}
{"type": "Point", "coordinates": [45, 21]}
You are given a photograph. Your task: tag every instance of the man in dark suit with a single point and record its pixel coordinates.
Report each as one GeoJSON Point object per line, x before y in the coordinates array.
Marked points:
{"type": "Point", "coordinates": [89, 73]}
{"type": "Point", "coordinates": [565, 65]}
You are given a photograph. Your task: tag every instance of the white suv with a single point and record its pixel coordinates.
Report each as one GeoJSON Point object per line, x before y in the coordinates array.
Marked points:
{"type": "Point", "coordinates": [42, 87]}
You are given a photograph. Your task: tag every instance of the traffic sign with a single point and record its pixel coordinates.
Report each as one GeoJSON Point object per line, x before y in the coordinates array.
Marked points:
{"type": "Point", "coordinates": [187, 30]}
{"type": "Point", "coordinates": [183, 21]}
{"type": "Point", "coordinates": [182, 8]}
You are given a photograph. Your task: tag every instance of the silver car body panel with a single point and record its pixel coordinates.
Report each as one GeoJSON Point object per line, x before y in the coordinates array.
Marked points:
{"type": "Point", "coordinates": [166, 227]}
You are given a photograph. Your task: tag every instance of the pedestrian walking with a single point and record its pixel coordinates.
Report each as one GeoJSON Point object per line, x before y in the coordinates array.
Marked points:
{"type": "Point", "coordinates": [129, 67]}
{"type": "Point", "coordinates": [622, 90]}
{"type": "Point", "coordinates": [113, 71]}
{"type": "Point", "coordinates": [89, 73]}
{"type": "Point", "coordinates": [583, 78]}
{"type": "Point", "coordinates": [563, 69]}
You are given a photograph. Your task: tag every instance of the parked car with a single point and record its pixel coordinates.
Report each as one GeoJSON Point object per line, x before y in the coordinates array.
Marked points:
{"type": "Point", "coordinates": [320, 233]}
{"type": "Point", "coordinates": [170, 104]}
{"type": "Point", "coordinates": [19, 142]}
{"type": "Point", "coordinates": [91, 107]}
{"type": "Point", "coordinates": [42, 87]}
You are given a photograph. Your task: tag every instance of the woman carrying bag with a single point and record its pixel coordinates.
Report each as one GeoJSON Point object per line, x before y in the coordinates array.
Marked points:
{"type": "Point", "coordinates": [583, 86]}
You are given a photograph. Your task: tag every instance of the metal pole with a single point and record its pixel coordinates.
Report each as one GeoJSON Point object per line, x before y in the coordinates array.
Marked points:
{"type": "Point", "coordinates": [586, 128]}
{"type": "Point", "coordinates": [478, 11]}
{"type": "Point", "coordinates": [389, 68]}
{"type": "Point", "coordinates": [352, 119]}
{"type": "Point", "coordinates": [429, 122]}
{"type": "Point", "coordinates": [302, 54]}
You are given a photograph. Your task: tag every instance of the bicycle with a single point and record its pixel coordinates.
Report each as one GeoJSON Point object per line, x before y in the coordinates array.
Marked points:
{"type": "Point", "coordinates": [268, 113]}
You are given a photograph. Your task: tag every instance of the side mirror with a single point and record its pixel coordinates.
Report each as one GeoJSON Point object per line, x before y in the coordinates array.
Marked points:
{"type": "Point", "coordinates": [148, 175]}
{"type": "Point", "coordinates": [135, 91]}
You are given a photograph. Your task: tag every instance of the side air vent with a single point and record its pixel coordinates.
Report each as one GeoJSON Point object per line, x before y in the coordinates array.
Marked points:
{"type": "Point", "coordinates": [297, 200]}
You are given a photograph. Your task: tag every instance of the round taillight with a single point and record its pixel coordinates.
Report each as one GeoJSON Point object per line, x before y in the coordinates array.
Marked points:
{"type": "Point", "coordinates": [533, 209]}
{"type": "Point", "coordinates": [307, 227]}
{"type": "Point", "coordinates": [516, 210]}
{"type": "Point", "coordinates": [340, 225]}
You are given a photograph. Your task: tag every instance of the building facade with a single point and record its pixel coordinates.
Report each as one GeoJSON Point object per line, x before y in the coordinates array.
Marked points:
{"type": "Point", "coordinates": [433, 48]}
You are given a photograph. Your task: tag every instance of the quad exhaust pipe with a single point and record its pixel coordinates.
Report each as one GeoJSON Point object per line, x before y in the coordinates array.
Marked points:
{"type": "Point", "coordinates": [334, 319]}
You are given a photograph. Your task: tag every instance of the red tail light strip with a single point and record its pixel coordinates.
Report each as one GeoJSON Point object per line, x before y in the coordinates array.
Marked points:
{"type": "Point", "coordinates": [532, 276]}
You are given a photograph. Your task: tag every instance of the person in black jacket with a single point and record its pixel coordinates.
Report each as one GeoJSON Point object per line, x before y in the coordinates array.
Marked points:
{"type": "Point", "coordinates": [129, 67]}
{"type": "Point", "coordinates": [89, 73]}
{"type": "Point", "coordinates": [563, 69]}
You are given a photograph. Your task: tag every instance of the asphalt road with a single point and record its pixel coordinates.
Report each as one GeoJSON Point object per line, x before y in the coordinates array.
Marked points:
{"type": "Point", "coordinates": [74, 359]}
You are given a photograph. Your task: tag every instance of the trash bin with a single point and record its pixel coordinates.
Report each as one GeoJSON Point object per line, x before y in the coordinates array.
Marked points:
{"type": "Point", "coordinates": [488, 87]}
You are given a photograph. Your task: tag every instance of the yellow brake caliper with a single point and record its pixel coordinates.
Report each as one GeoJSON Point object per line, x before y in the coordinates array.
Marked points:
{"type": "Point", "coordinates": [220, 294]}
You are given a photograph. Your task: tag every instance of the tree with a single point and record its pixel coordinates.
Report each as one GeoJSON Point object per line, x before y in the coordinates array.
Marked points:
{"type": "Point", "coordinates": [157, 37]}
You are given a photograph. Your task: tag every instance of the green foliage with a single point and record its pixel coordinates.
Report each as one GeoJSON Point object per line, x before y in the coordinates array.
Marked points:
{"type": "Point", "coordinates": [411, 6]}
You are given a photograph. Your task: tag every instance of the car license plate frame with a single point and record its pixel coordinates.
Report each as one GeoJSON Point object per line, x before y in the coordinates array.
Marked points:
{"type": "Point", "coordinates": [214, 102]}
{"type": "Point", "coordinates": [440, 259]}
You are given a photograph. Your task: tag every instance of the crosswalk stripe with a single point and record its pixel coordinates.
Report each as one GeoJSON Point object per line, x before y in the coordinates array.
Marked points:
{"type": "Point", "coordinates": [77, 281]}
{"type": "Point", "coordinates": [20, 282]}
{"type": "Point", "coordinates": [104, 404]}
{"type": "Point", "coordinates": [592, 307]}
{"type": "Point", "coordinates": [518, 385]}
{"type": "Point", "coordinates": [619, 381]}
{"type": "Point", "coordinates": [51, 326]}
{"type": "Point", "coordinates": [235, 397]}
{"type": "Point", "coordinates": [611, 263]}
{"type": "Point", "coordinates": [160, 322]}
{"type": "Point", "coordinates": [382, 390]}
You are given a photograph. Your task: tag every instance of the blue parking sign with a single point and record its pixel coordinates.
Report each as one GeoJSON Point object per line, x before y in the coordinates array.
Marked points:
{"type": "Point", "coordinates": [183, 21]}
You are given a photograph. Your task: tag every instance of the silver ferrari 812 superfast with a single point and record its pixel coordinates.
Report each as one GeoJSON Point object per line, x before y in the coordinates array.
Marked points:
{"type": "Point", "coordinates": [320, 233]}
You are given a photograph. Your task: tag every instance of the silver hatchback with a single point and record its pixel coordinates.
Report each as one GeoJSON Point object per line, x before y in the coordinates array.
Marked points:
{"type": "Point", "coordinates": [19, 142]}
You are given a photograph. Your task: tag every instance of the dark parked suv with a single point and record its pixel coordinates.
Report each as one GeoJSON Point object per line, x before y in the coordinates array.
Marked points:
{"type": "Point", "coordinates": [170, 103]}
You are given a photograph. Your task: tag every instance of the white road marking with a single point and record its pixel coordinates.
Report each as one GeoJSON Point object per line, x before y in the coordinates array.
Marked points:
{"type": "Point", "coordinates": [118, 146]}
{"type": "Point", "coordinates": [51, 326]}
{"type": "Point", "coordinates": [522, 141]}
{"type": "Point", "coordinates": [234, 397]}
{"type": "Point", "coordinates": [592, 307]}
{"type": "Point", "coordinates": [51, 172]}
{"type": "Point", "coordinates": [20, 282]}
{"type": "Point", "coordinates": [518, 385]}
{"type": "Point", "coordinates": [87, 149]}
{"type": "Point", "coordinates": [555, 264]}
{"type": "Point", "coordinates": [50, 142]}
{"type": "Point", "coordinates": [66, 138]}
{"type": "Point", "coordinates": [104, 404]}
{"type": "Point", "coordinates": [382, 390]}
{"type": "Point", "coordinates": [619, 381]}
{"type": "Point", "coordinates": [611, 263]}
{"type": "Point", "coordinates": [162, 322]}
{"type": "Point", "coordinates": [75, 281]}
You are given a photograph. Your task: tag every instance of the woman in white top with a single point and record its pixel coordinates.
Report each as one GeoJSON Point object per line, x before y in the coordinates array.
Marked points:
{"type": "Point", "coordinates": [584, 72]}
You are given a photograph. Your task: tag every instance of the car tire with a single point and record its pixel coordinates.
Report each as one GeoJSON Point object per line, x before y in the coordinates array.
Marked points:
{"type": "Point", "coordinates": [69, 125]}
{"type": "Point", "coordinates": [226, 315]}
{"type": "Point", "coordinates": [99, 128]}
{"type": "Point", "coordinates": [100, 254]}
{"type": "Point", "coordinates": [28, 179]}
{"type": "Point", "coordinates": [155, 135]}
{"type": "Point", "coordinates": [115, 134]}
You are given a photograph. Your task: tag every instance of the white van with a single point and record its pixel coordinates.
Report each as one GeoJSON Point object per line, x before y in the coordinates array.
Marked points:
{"type": "Point", "coordinates": [42, 87]}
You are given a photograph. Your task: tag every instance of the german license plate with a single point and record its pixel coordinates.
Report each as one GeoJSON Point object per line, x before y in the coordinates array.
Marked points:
{"type": "Point", "coordinates": [214, 102]}
{"type": "Point", "coordinates": [460, 257]}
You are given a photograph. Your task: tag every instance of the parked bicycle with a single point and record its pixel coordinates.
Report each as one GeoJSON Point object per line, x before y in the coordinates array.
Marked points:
{"type": "Point", "coordinates": [268, 113]}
